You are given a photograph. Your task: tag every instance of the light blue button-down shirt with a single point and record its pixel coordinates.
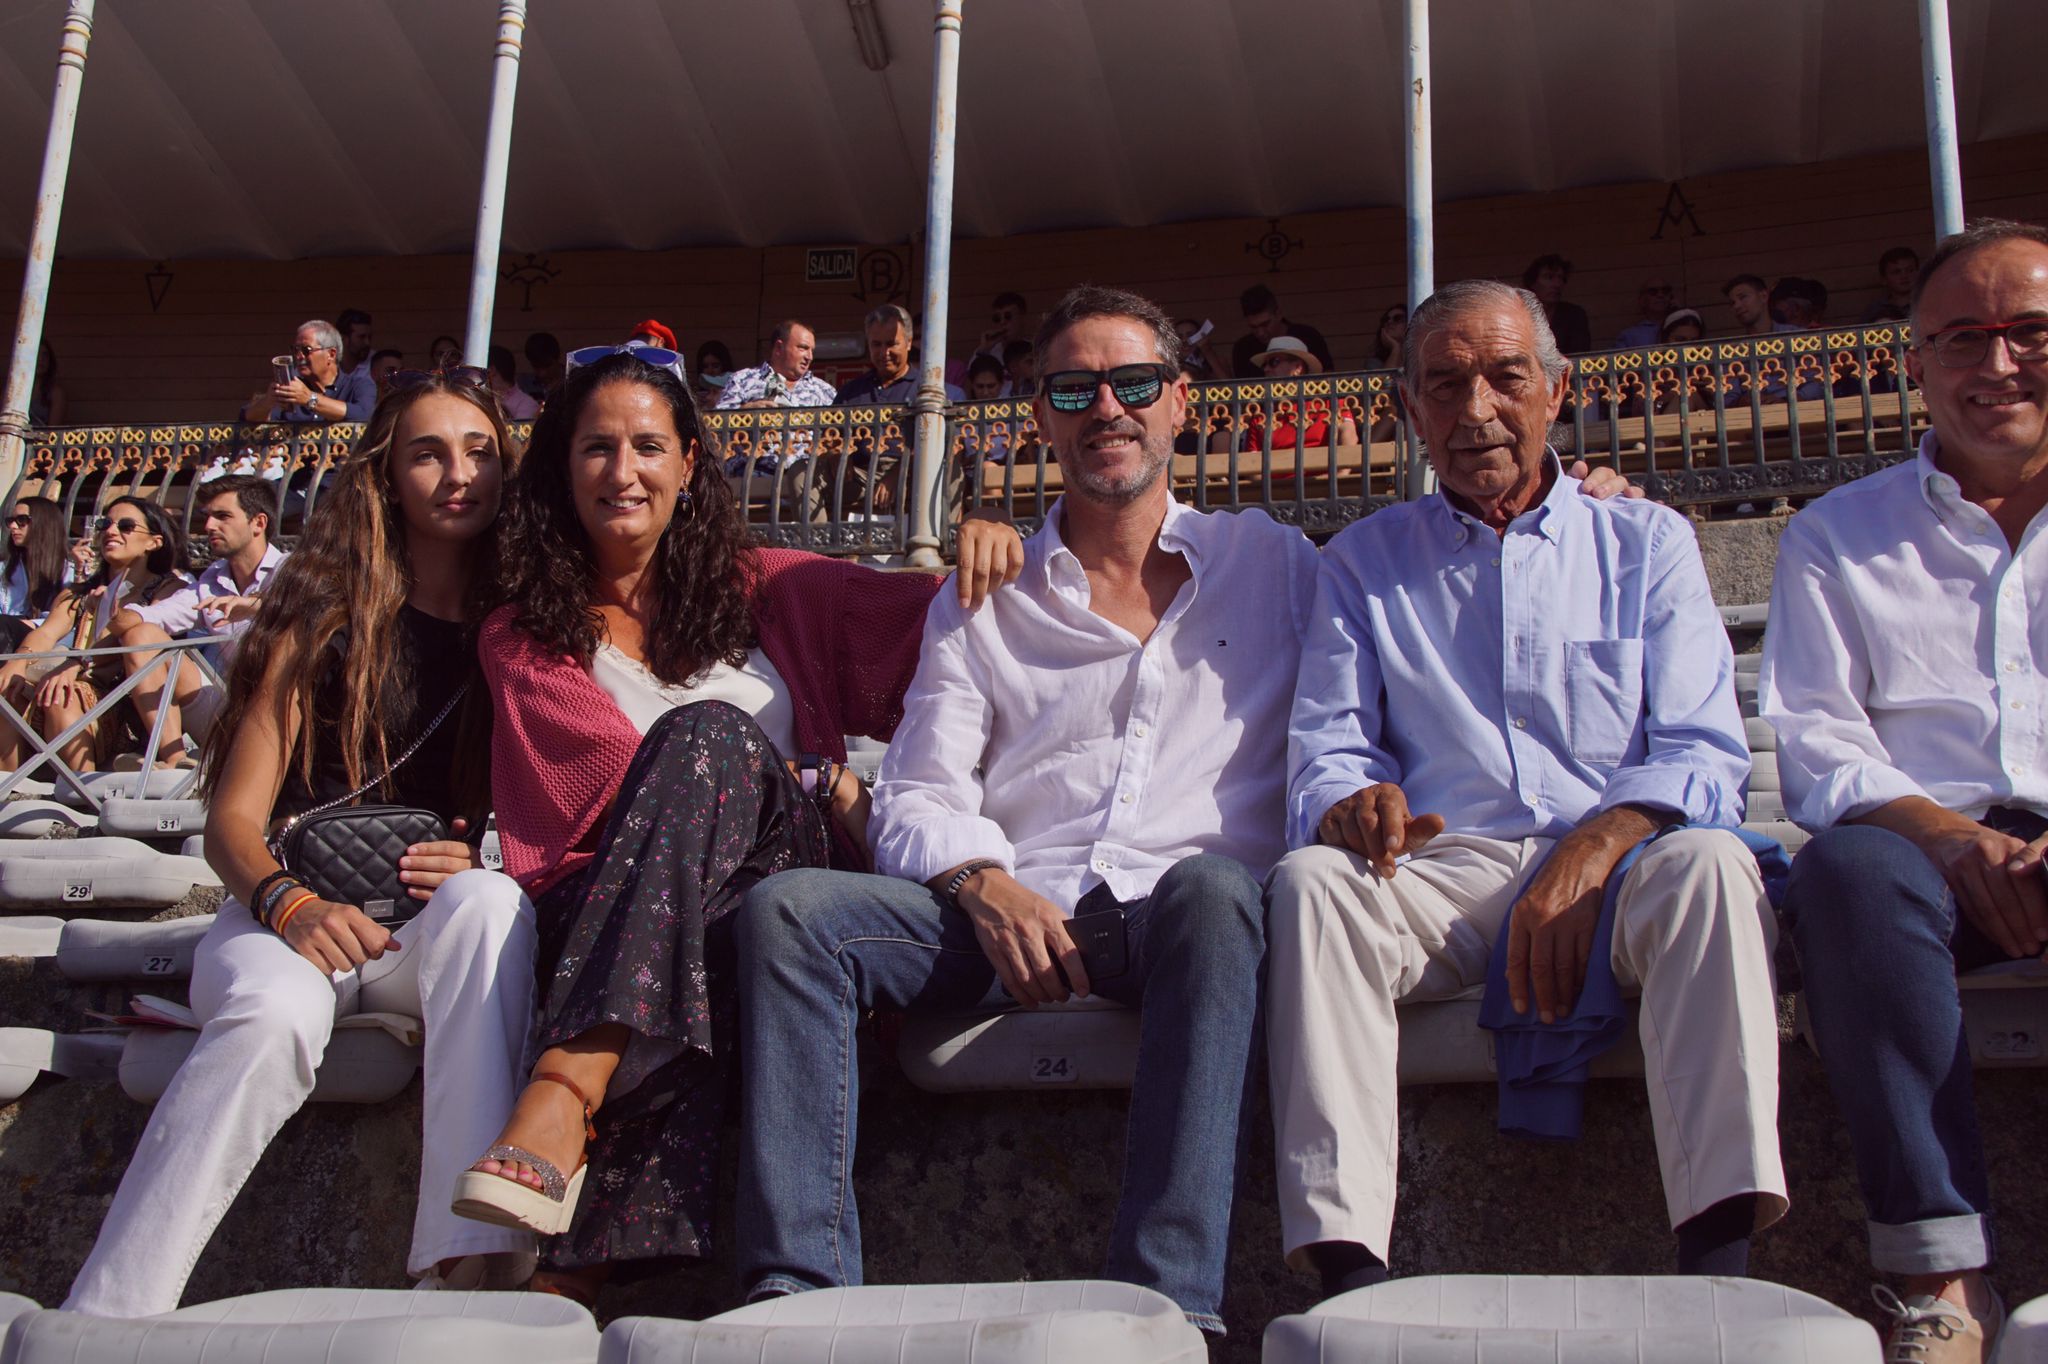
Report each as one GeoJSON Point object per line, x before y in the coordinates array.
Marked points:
{"type": "Point", "coordinates": [1515, 685]}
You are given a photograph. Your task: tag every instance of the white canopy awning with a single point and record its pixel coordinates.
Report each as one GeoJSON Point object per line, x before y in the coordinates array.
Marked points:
{"type": "Point", "coordinates": [291, 128]}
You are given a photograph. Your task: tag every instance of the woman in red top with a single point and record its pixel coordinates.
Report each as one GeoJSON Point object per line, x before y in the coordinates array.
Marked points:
{"type": "Point", "coordinates": [651, 673]}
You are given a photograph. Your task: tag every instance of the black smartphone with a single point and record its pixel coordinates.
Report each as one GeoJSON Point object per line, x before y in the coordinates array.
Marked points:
{"type": "Point", "coordinates": [1102, 941]}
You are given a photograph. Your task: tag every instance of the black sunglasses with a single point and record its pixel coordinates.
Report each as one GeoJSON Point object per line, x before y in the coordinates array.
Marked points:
{"type": "Point", "coordinates": [127, 525]}
{"type": "Point", "coordinates": [406, 380]}
{"type": "Point", "coordinates": [17, 520]}
{"type": "Point", "coordinates": [1074, 390]}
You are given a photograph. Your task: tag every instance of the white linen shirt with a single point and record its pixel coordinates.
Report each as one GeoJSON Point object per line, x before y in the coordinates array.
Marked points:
{"type": "Point", "coordinates": [187, 607]}
{"type": "Point", "coordinates": [1041, 736]}
{"type": "Point", "coordinates": [1515, 685]}
{"type": "Point", "coordinates": [1907, 650]}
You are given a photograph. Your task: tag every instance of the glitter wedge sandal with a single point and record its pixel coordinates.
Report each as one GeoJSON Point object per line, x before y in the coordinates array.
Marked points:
{"type": "Point", "coordinates": [504, 1202]}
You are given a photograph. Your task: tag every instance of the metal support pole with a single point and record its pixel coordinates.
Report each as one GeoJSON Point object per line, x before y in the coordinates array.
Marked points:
{"type": "Point", "coordinates": [1421, 197]}
{"type": "Point", "coordinates": [1415, 122]}
{"type": "Point", "coordinates": [928, 467]}
{"type": "Point", "coordinates": [42, 240]}
{"type": "Point", "coordinates": [490, 202]}
{"type": "Point", "coordinates": [1938, 87]}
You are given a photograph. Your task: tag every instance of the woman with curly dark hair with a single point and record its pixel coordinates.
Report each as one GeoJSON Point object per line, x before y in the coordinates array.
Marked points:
{"type": "Point", "coordinates": [651, 672]}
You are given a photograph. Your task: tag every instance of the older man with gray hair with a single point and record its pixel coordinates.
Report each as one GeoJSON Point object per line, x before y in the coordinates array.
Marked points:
{"type": "Point", "coordinates": [317, 389]}
{"type": "Point", "coordinates": [1515, 751]}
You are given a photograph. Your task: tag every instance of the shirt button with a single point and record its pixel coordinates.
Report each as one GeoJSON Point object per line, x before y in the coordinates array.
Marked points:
{"type": "Point", "coordinates": [2019, 705]}
{"type": "Point", "coordinates": [1521, 722]}
{"type": "Point", "coordinates": [1125, 798]}
{"type": "Point", "coordinates": [1101, 864]}
{"type": "Point", "coordinates": [1496, 561]}
{"type": "Point", "coordinates": [2018, 769]}
{"type": "Point", "coordinates": [2012, 666]}
{"type": "Point", "coordinates": [1139, 730]}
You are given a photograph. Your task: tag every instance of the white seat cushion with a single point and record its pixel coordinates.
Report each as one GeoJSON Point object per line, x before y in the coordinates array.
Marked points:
{"type": "Point", "coordinates": [363, 1065]}
{"type": "Point", "coordinates": [26, 1053]}
{"type": "Point", "coordinates": [321, 1326]}
{"type": "Point", "coordinates": [72, 874]}
{"type": "Point", "coordinates": [162, 784]}
{"type": "Point", "coordinates": [39, 818]}
{"type": "Point", "coordinates": [131, 818]}
{"type": "Point", "coordinates": [14, 1305]}
{"type": "Point", "coordinates": [1673, 1319]}
{"type": "Point", "coordinates": [2024, 1340]}
{"type": "Point", "coordinates": [110, 950]}
{"type": "Point", "coordinates": [1024, 1323]}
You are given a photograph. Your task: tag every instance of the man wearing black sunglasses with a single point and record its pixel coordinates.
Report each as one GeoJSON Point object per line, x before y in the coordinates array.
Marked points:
{"type": "Point", "coordinates": [1903, 673]}
{"type": "Point", "coordinates": [317, 390]}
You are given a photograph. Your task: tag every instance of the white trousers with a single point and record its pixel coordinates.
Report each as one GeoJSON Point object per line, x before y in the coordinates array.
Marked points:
{"type": "Point", "coordinates": [465, 969]}
{"type": "Point", "coordinates": [1693, 931]}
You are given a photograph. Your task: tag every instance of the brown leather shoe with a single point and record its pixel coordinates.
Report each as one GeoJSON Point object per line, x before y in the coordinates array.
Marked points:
{"type": "Point", "coordinates": [1931, 1330]}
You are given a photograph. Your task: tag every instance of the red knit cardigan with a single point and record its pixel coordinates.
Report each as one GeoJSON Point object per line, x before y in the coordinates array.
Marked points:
{"type": "Point", "coordinates": [844, 638]}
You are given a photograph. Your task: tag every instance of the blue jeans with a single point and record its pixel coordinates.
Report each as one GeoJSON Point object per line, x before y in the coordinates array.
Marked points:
{"type": "Point", "coordinates": [1880, 940]}
{"type": "Point", "coordinates": [817, 947]}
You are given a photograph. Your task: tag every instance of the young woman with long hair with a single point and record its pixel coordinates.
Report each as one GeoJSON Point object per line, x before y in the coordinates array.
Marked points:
{"type": "Point", "coordinates": [365, 636]}
{"type": "Point", "coordinates": [142, 558]}
{"type": "Point", "coordinates": [652, 673]}
{"type": "Point", "coordinates": [38, 558]}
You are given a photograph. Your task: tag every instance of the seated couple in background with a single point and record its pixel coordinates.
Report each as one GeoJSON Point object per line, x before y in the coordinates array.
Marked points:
{"type": "Point", "coordinates": [141, 596]}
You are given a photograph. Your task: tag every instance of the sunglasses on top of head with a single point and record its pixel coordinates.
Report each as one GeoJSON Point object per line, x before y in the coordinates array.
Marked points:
{"type": "Point", "coordinates": [661, 357]}
{"type": "Point", "coordinates": [1135, 386]}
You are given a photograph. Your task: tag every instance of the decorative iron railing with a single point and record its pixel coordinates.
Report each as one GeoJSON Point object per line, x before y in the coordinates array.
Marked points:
{"type": "Point", "coordinates": [1744, 423]}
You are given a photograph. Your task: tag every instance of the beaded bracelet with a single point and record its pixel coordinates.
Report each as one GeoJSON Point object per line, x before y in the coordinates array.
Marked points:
{"type": "Point", "coordinates": [284, 916]}
{"type": "Point", "coordinates": [263, 889]}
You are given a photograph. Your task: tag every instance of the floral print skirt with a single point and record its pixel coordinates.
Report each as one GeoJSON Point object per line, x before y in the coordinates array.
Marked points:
{"type": "Point", "coordinates": [643, 937]}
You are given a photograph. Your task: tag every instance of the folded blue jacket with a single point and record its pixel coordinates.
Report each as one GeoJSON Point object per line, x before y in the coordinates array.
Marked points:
{"type": "Point", "coordinates": [1543, 1066]}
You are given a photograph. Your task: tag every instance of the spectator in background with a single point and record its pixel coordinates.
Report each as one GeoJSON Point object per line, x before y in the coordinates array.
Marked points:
{"type": "Point", "coordinates": [714, 367]}
{"type": "Point", "coordinates": [1197, 348]}
{"type": "Point", "coordinates": [1546, 278]}
{"type": "Point", "coordinates": [1653, 303]}
{"type": "Point", "coordinates": [444, 354]}
{"type": "Point", "coordinates": [1897, 268]}
{"type": "Point", "coordinates": [1020, 365]}
{"type": "Point", "coordinates": [1288, 357]}
{"type": "Point", "coordinates": [984, 378]}
{"type": "Point", "coordinates": [1681, 325]}
{"type": "Point", "coordinates": [1799, 303]}
{"type": "Point", "coordinates": [653, 333]}
{"type": "Point", "coordinates": [1263, 321]}
{"type": "Point", "coordinates": [38, 563]}
{"type": "Point", "coordinates": [1749, 298]}
{"type": "Point", "coordinates": [544, 360]}
{"type": "Point", "coordinates": [383, 365]}
{"type": "Point", "coordinates": [236, 515]}
{"type": "Point", "coordinates": [1388, 337]}
{"type": "Point", "coordinates": [785, 378]}
{"type": "Point", "coordinates": [1006, 324]}
{"type": "Point", "coordinates": [318, 391]}
{"type": "Point", "coordinates": [46, 399]}
{"type": "Point", "coordinates": [502, 376]}
{"type": "Point", "coordinates": [889, 381]}
{"type": "Point", "coordinates": [354, 326]}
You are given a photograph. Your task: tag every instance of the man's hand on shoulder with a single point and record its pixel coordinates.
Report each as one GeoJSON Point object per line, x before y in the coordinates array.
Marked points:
{"type": "Point", "coordinates": [991, 555]}
{"type": "Point", "coordinates": [1022, 934]}
{"type": "Point", "coordinates": [1376, 824]}
{"type": "Point", "coordinates": [1603, 482]}
{"type": "Point", "coordinates": [1997, 879]}
{"type": "Point", "coordinates": [1551, 933]}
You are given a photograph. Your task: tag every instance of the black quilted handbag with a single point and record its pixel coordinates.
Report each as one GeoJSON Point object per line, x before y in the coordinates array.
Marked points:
{"type": "Point", "coordinates": [348, 854]}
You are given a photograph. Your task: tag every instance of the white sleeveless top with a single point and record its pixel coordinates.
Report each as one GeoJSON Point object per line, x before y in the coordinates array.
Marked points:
{"type": "Point", "coordinates": [755, 687]}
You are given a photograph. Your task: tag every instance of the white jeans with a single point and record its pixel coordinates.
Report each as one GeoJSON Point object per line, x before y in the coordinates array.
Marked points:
{"type": "Point", "coordinates": [1693, 931]}
{"type": "Point", "coordinates": [465, 969]}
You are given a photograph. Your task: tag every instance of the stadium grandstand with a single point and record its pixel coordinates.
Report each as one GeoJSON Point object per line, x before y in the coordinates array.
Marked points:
{"type": "Point", "coordinates": [257, 249]}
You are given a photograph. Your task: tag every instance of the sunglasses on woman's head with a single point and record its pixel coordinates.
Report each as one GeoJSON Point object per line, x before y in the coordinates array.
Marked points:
{"type": "Point", "coordinates": [1074, 390]}
{"type": "Point", "coordinates": [406, 380]}
{"type": "Point", "coordinates": [127, 525]}
{"type": "Point", "coordinates": [658, 356]}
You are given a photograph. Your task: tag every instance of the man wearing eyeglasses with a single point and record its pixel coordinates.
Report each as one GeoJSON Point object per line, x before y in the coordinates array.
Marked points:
{"type": "Point", "coordinates": [318, 390]}
{"type": "Point", "coordinates": [1904, 673]}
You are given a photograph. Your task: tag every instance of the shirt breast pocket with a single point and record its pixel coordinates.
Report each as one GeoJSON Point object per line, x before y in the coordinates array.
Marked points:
{"type": "Point", "coordinates": [1603, 684]}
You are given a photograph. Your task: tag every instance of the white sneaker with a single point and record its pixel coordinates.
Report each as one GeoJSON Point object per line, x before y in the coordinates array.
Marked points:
{"type": "Point", "coordinates": [1930, 1330]}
